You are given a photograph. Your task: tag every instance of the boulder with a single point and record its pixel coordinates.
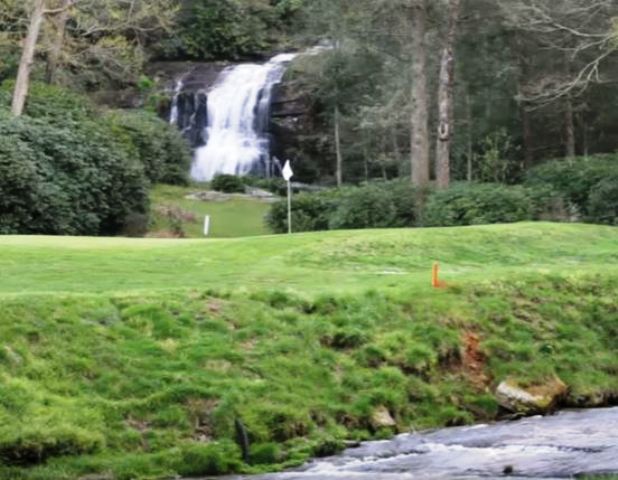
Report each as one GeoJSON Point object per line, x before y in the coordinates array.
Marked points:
{"type": "Point", "coordinates": [382, 418]}
{"type": "Point", "coordinates": [536, 399]}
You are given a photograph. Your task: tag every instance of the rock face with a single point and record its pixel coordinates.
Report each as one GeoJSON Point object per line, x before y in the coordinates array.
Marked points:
{"type": "Point", "coordinates": [297, 132]}
{"type": "Point", "coordinates": [538, 399]}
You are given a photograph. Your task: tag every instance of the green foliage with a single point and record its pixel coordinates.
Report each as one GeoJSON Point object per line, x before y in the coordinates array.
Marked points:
{"type": "Point", "coordinates": [162, 150]}
{"type": "Point", "coordinates": [209, 459]}
{"type": "Point", "coordinates": [495, 162]}
{"type": "Point", "coordinates": [70, 179]}
{"type": "Point", "coordinates": [577, 179]}
{"type": "Point", "coordinates": [229, 29]}
{"type": "Point", "coordinates": [227, 184]}
{"type": "Point", "coordinates": [476, 204]}
{"type": "Point", "coordinates": [603, 201]}
{"type": "Point", "coordinates": [310, 212]}
{"type": "Point", "coordinates": [69, 169]}
{"type": "Point", "coordinates": [52, 103]}
{"type": "Point", "coordinates": [374, 205]}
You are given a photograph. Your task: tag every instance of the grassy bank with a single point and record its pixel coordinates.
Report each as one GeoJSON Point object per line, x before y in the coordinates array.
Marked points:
{"type": "Point", "coordinates": [152, 356]}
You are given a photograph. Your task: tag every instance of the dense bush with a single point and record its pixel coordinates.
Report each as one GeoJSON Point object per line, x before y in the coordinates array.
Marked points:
{"type": "Point", "coordinates": [375, 205]}
{"type": "Point", "coordinates": [603, 201]}
{"type": "Point", "coordinates": [395, 204]}
{"type": "Point", "coordinates": [310, 212]}
{"type": "Point", "coordinates": [50, 102]}
{"type": "Point", "coordinates": [227, 184]}
{"type": "Point", "coordinates": [575, 178]}
{"type": "Point", "coordinates": [159, 147]}
{"type": "Point", "coordinates": [65, 168]}
{"type": "Point", "coordinates": [70, 180]}
{"type": "Point", "coordinates": [474, 204]}
{"type": "Point", "coordinates": [162, 150]}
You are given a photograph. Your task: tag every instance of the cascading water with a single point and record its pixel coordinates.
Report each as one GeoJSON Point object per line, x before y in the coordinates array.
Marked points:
{"type": "Point", "coordinates": [174, 113]}
{"type": "Point", "coordinates": [236, 139]}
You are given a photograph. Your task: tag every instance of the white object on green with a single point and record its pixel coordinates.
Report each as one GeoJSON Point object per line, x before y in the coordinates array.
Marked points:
{"type": "Point", "coordinates": [288, 173]}
{"type": "Point", "coordinates": [206, 225]}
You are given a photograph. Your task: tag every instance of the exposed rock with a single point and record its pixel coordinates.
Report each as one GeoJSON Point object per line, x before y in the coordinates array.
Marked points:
{"type": "Point", "coordinates": [530, 400]}
{"type": "Point", "coordinates": [213, 196]}
{"type": "Point", "coordinates": [382, 418]}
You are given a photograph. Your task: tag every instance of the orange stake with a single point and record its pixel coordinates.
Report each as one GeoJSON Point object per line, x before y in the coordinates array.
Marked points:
{"type": "Point", "coordinates": [435, 275]}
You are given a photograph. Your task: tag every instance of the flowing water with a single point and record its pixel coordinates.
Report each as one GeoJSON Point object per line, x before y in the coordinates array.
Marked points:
{"type": "Point", "coordinates": [238, 114]}
{"type": "Point", "coordinates": [560, 446]}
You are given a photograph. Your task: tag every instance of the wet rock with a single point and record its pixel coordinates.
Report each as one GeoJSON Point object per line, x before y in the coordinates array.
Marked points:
{"type": "Point", "coordinates": [530, 400]}
{"type": "Point", "coordinates": [382, 418]}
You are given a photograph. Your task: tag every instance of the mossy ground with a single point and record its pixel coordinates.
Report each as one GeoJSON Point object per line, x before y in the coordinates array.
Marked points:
{"type": "Point", "coordinates": [142, 375]}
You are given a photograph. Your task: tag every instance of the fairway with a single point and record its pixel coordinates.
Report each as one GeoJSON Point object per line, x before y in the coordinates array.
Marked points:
{"type": "Point", "coordinates": [314, 262]}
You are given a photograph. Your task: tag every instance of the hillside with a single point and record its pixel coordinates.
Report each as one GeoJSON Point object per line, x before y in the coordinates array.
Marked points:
{"type": "Point", "coordinates": [155, 357]}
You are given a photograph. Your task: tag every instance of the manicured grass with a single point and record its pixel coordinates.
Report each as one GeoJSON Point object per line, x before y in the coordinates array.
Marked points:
{"type": "Point", "coordinates": [236, 217]}
{"type": "Point", "coordinates": [313, 262]}
{"type": "Point", "coordinates": [150, 355]}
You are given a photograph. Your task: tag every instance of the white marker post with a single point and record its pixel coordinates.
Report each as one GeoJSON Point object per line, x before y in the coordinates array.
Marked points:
{"type": "Point", "coordinates": [206, 225]}
{"type": "Point", "coordinates": [287, 175]}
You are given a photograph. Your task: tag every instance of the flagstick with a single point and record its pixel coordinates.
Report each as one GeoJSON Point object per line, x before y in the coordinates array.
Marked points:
{"type": "Point", "coordinates": [289, 207]}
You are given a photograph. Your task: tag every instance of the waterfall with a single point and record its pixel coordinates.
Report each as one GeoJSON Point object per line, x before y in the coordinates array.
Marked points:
{"type": "Point", "coordinates": [174, 113]}
{"type": "Point", "coordinates": [236, 137]}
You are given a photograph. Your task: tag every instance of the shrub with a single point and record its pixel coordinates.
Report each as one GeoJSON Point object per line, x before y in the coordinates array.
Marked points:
{"type": "Point", "coordinates": [310, 212]}
{"type": "Point", "coordinates": [474, 204]}
{"type": "Point", "coordinates": [161, 148]}
{"type": "Point", "coordinates": [228, 184]}
{"type": "Point", "coordinates": [603, 201]}
{"type": "Point", "coordinates": [375, 205]}
{"type": "Point", "coordinates": [574, 178]}
{"type": "Point", "coordinates": [53, 103]}
{"type": "Point", "coordinates": [66, 180]}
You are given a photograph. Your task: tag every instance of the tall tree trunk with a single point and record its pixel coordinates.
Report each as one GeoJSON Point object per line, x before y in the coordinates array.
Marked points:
{"type": "Point", "coordinates": [22, 83]}
{"type": "Point", "coordinates": [420, 104]}
{"type": "Point", "coordinates": [445, 99]}
{"type": "Point", "coordinates": [58, 41]}
{"type": "Point", "coordinates": [338, 147]}
{"type": "Point", "coordinates": [470, 137]}
{"type": "Point", "coordinates": [569, 127]}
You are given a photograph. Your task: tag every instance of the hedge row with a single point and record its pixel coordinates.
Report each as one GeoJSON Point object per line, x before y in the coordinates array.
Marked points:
{"type": "Point", "coordinates": [570, 190]}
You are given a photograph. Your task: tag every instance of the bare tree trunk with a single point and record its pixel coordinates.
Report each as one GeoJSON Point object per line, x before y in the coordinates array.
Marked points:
{"type": "Point", "coordinates": [56, 47]}
{"type": "Point", "coordinates": [470, 152]}
{"type": "Point", "coordinates": [445, 100]}
{"type": "Point", "coordinates": [420, 108]}
{"type": "Point", "coordinates": [569, 127]}
{"type": "Point", "coordinates": [338, 148]}
{"type": "Point", "coordinates": [22, 83]}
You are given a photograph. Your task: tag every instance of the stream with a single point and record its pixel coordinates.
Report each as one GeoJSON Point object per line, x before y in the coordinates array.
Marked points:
{"type": "Point", "coordinates": [561, 446]}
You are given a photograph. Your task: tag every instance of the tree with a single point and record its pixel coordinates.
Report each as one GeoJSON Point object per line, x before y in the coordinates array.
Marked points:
{"type": "Point", "coordinates": [580, 36]}
{"type": "Point", "coordinates": [27, 58]}
{"type": "Point", "coordinates": [446, 123]}
{"type": "Point", "coordinates": [419, 140]}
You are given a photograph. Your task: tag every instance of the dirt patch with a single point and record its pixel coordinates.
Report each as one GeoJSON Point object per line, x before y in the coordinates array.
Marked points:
{"type": "Point", "coordinates": [474, 360]}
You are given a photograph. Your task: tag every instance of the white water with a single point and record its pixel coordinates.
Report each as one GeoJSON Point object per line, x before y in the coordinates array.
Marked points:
{"type": "Point", "coordinates": [238, 112]}
{"type": "Point", "coordinates": [174, 114]}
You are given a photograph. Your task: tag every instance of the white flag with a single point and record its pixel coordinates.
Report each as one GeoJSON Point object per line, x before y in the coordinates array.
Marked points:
{"type": "Point", "coordinates": [287, 171]}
